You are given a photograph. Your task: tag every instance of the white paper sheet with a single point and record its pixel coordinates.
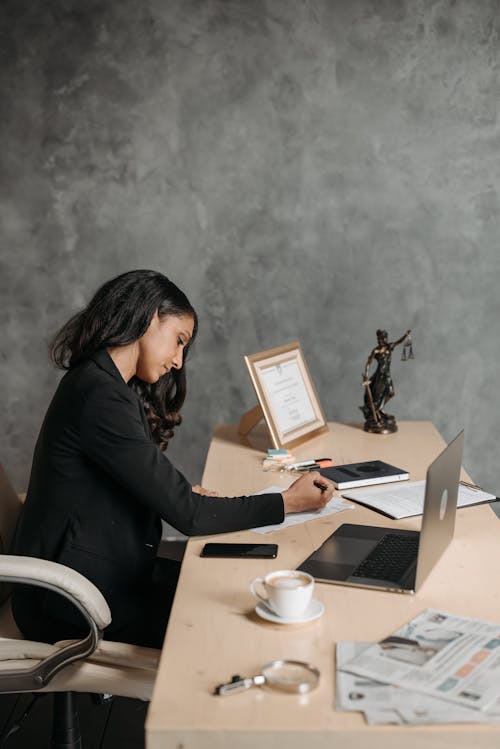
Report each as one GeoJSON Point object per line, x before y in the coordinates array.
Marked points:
{"type": "Point", "coordinates": [295, 518]}
{"type": "Point", "coordinates": [404, 501]}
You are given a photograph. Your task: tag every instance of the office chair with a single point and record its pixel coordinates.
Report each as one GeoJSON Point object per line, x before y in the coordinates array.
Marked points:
{"type": "Point", "coordinates": [88, 665]}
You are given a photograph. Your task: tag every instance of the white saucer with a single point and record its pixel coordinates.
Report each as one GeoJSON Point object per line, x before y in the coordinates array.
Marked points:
{"type": "Point", "coordinates": [313, 611]}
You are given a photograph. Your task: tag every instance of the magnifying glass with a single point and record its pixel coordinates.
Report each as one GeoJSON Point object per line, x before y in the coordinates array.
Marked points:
{"type": "Point", "coordinates": [287, 676]}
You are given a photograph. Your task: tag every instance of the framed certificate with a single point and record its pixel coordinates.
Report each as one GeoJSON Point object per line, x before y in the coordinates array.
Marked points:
{"type": "Point", "coordinates": [287, 398]}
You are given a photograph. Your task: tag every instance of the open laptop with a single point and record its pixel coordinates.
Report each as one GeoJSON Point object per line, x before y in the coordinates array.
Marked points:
{"type": "Point", "coordinates": [390, 558]}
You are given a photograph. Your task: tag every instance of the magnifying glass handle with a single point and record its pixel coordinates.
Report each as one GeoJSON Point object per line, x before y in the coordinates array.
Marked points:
{"type": "Point", "coordinates": [238, 684]}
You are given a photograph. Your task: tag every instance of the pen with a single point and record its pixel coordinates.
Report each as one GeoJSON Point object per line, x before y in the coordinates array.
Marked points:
{"type": "Point", "coordinates": [312, 462]}
{"type": "Point", "coordinates": [302, 464]}
{"type": "Point", "coordinates": [320, 485]}
{"type": "Point", "coordinates": [476, 488]}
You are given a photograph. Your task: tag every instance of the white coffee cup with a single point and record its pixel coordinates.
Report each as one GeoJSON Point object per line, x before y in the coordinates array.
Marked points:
{"type": "Point", "coordinates": [289, 592]}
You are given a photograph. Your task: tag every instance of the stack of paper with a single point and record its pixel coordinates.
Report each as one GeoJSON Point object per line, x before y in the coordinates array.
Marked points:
{"type": "Point", "coordinates": [438, 668]}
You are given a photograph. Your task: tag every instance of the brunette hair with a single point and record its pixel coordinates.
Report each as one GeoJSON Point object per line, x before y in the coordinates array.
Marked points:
{"type": "Point", "coordinates": [119, 313]}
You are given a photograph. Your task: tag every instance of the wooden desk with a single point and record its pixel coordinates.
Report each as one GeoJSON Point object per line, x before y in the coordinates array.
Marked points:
{"type": "Point", "coordinates": [214, 633]}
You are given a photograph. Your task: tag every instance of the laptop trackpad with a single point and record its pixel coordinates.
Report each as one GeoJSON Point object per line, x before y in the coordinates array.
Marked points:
{"type": "Point", "coordinates": [345, 550]}
{"type": "Point", "coordinates": [338, 557]}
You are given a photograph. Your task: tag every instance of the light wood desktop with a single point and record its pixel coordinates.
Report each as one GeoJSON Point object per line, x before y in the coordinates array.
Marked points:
{"type": "Point", "coordinates": [214, 632]}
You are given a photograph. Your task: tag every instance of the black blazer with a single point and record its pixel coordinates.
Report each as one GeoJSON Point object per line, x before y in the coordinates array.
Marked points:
{"type": "Point", "coordinates": [99, 487]}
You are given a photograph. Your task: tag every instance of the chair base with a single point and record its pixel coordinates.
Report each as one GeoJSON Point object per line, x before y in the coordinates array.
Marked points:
{"type": "Point", "coordinates": [65, 724]}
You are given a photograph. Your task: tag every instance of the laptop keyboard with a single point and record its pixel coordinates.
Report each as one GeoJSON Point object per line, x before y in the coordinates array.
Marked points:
{"type": "Point", "coordinates": [389, 559]}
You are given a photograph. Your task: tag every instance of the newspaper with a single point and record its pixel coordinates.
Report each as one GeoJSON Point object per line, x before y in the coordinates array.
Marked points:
{"type": "Point", "coordinates": [385, 703]}
{"type": "Point", "coordinates": [360, 694]}
{"type": "Point", "coordinates": [452, 658]}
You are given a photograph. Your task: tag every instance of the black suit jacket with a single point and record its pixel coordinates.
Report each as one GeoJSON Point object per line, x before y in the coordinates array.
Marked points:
{"type": "Point", "coordinates": [99, 487]}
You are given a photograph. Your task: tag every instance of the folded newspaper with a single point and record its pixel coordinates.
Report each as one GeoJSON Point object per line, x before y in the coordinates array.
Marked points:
{"type": "Point", "coordinates": [360, 694]}
{"type": "Point", "coordinates": [436, 655]}
{"type": "Point", "coordinates": [385, 703]}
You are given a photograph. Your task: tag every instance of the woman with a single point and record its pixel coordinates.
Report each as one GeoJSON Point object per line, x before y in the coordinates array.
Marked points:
{"type": "Point", "coordinates": [100, 482]}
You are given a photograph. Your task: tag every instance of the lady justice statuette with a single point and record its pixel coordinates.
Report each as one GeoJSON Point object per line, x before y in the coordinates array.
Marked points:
{"type": "Point", "coordinates": [379, 388]}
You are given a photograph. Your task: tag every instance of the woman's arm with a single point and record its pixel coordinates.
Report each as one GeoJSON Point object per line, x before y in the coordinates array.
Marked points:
{"type": "Point", "coordinates": [113, 437]}
{"type": "Point", "coordinates": [309, 492]}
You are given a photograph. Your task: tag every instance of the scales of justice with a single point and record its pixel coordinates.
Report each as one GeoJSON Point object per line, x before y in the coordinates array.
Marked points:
{"type": "Point", "coordinates": [379, 387]}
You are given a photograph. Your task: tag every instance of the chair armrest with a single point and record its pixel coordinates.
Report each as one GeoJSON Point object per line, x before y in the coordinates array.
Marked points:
{"type": "Point", "coordinates": [120, 654]}
{"type": "Point", "coordinates": [59, 578]}
{"type": "Point", "coordinates": [24, 650]}
{"type": "Point", "coordinates": [83, 595]}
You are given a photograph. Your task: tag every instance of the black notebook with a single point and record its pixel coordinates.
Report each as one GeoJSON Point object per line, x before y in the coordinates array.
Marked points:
{"type": "Point", "coordinates": [364, 474]}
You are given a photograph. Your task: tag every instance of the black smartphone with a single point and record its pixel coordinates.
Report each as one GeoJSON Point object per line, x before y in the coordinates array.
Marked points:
{"type": "Point", "coordinates": [251, 551]}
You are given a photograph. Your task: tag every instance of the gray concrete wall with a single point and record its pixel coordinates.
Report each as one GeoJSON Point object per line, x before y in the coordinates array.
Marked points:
{"type": "Point", "coordinates": [310, 169]}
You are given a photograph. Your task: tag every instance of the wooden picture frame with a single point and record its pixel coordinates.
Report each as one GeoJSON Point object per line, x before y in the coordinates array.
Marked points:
{"type": "Point", "coordinates": [287, 397]}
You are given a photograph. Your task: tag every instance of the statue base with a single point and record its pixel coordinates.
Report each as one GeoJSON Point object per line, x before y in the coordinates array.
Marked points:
{"type": "Point", "coordinates": [383, 424]}
{"type": "Point", "coordinates": [380, 428]}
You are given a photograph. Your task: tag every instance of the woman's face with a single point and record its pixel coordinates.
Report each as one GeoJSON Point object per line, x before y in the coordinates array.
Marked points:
{"type": "Point", "coordinates": [161, 348]}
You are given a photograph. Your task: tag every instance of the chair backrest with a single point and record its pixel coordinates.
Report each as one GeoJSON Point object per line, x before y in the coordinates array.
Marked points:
{"type": "Point", "coordinates": [10, 506]}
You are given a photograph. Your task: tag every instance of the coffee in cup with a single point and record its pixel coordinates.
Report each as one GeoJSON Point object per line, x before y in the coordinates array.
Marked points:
{"type": "Point", "coordinates": [289, 592]}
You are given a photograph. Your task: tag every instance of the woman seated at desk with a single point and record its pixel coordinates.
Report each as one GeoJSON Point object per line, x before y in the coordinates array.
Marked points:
{"type": "Point", "coordinates": [100, 482]}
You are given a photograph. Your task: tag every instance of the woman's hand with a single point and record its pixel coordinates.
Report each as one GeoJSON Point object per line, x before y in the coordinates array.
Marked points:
{"type": "Point", "coordinates": [310, 492]}
{"type": "Point", "coordinates": [204, 492]}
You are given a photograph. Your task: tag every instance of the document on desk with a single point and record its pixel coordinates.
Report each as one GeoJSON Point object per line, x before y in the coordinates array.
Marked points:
{"type": "Point", "coordinates": [359, 694]}
{"type": "Point", "coordinates": [295, 518]}
{"type": "Point", "coordinates": [406, 500]}
{"type": "Point", "coordinates": [441, 655]}
{"type": "Point", "coordinates": [384, 703]}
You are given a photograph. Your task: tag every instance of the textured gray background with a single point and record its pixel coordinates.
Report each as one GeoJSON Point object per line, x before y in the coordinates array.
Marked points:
{"type": "Point", "coordinates": [310, 169]}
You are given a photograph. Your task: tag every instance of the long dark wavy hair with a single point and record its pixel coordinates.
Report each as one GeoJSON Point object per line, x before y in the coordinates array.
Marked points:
{"type": "Point", "coordinates": [120, 313]}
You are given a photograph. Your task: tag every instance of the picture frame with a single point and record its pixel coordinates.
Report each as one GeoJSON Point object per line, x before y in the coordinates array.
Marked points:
{"type": "Point", "coordinates": [287, 398]}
